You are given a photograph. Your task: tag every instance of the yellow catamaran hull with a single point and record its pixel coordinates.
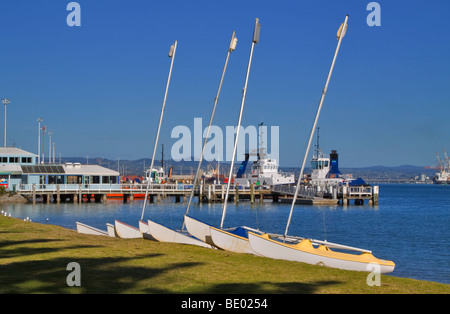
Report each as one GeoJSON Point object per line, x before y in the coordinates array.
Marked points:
{"type": "Point", "coordinates": [305, 252]}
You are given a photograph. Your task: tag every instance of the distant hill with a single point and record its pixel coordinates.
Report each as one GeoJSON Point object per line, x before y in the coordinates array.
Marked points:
{"type": "Point", "coordinates": [401, 173]}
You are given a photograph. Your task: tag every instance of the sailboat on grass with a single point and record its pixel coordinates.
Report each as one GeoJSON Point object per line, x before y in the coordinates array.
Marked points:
{"type": "Point", "coordinates": [314, 251]}
{"type": "Point", "coordinates": [164, 234]}
{"type": "Point", "coordinates": [122, 229]}
{"type": "Point", "coordinates": [234, 239]}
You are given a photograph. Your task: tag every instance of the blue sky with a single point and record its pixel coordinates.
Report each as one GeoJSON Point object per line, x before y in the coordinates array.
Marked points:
{"type": "Point", "coordinates": [99, 87]}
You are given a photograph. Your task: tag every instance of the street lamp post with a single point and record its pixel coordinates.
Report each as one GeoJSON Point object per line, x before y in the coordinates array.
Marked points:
{"type": "Point", "coordinates": [43, 142]}
{"type": "Point", "coordinates": [39, 120]}
{"type": "Point", "coordinates": [5, 102]}
{"type": "Point", "coordinates": [50, 147]}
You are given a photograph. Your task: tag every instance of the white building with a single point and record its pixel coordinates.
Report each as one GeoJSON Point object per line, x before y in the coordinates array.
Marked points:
{"type": "Point", "coordinates": [20, 171]}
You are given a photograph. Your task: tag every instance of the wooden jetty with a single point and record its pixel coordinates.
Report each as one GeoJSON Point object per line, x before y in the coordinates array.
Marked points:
{"type": "Point", "coordinates": [57, 193]}
{"type": "Point", "coordinates": [330, 195]}
{"type": "Point", "coordinates": [207, 193]}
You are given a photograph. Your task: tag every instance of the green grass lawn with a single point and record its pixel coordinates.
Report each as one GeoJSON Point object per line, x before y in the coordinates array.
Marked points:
{"type": "Point", "coordinates": [34, 257]}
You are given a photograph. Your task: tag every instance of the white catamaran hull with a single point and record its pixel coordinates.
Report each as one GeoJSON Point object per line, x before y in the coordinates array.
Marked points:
{"type": "Point", "coordinates": [164, 234]}
{"type": "Point", "coordinates": [82, 228]}
{"type": "Point", "coordinates": [230, 242]}
{"type": "Point", "coordinates": [111, 230]}
{"type": "Point", "coordinates": [124, 230]}
{"type": "Point", "coordinates": [198, 229]}
{"type": "Point", "coordinates": [143, 228]}
{"type": "Point", "coordinates": [306, 253]}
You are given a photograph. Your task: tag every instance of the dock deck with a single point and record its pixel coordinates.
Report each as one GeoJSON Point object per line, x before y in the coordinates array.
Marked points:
{"type": "Point", "coordinates": [205, 193]}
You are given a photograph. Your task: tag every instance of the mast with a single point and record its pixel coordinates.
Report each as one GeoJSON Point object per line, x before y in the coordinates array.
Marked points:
{"type": "Point", "coordinates": [172, 51]}
{"type": "Point", "coordinates": [317, 143]}
{"type": "Point", "coordinates": [162, 157]}
{"type": "Point", "coordinates": [231, 48]}
{"type": "Point", "coordinates": [340, 35]}
{"type": "Point", "coordinates": [261, 142]}
{"type": "Point", "coordinates": [244, 92]}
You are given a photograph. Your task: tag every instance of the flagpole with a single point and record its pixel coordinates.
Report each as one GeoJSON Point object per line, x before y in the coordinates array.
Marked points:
{"type": "Point", "coordinates": [172, 51]}
{"type": "Point", "coordinates": [244, 92]}
{"type": "Point", "coordinates": [231, 48]}
{"type": "Point", "coordinates": [341, 34]}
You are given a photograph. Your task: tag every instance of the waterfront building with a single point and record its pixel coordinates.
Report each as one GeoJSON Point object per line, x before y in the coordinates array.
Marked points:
{"type": "Point", "coordinates": [19, 170]}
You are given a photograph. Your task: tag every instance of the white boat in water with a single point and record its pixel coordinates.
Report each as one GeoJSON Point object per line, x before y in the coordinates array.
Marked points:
{"type": "Point", "coordinates": [264, 172]}
{"type": "Point", "coordinates": [443, 176]}
{"type": "Point", "coordinates": [83, 228]}
{"type": "Point", "coordinates": [325, 171]}
{"type": "Point", "coordinates": [124, 230]}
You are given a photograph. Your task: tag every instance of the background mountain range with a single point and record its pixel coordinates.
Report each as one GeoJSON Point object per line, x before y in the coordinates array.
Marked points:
{"type": "Point", "coordinates": [402, 173]}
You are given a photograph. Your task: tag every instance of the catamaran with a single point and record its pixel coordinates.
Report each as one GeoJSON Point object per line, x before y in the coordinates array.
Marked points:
{"type": "Point", "coordinates": [232, 239]}
{"type": "Point", "coordinates": [143, 227]}
{"type": "Point", "coordinates": [164, 234]}
{"type": "Point", "coordinates": [86, 229]}
{"type": "Point", "coordinates": [315, 251]}
{"type": "Point", "coordinates": [126, 231]}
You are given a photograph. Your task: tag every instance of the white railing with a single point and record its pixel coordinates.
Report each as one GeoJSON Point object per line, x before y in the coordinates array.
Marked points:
{"type": "Point", "coordinates": [303, 191]}
{"type": "Point", "coordinates": [126, 188]}
{"type": "Point", "coordinates": [311, 191]}
{"type": "Point", "coordinates": [354, 191]}
{"type": "Point", "coordinates": [113, 188]}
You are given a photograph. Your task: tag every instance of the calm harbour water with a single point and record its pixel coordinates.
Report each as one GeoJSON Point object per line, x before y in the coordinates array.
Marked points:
{"type": "Point", "coordinates": [410, 226]}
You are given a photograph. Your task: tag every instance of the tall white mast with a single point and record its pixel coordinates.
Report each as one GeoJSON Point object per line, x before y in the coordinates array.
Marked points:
{"type": "Point", "coordinates": [231, 48]}
{"type": "Point", "coordinates": [340, 35]}
{"type": "Point", "coordinates": [172, 51]}
{"type": "Point", "coordinates": [244, 92]}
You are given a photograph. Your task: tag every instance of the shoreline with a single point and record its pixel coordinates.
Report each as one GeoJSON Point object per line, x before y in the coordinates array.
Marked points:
{"type": "Point", "coordinates": [35, 254]}
{"type": "Point", "coordinates": [12, 199]}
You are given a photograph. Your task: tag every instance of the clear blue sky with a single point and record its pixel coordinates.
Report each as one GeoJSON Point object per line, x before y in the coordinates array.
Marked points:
{"type": "Point", "coordinates": [99, 87]}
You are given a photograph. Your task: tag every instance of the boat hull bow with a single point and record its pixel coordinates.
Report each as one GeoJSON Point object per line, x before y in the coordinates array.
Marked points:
{"type": "Point", "coordinates": [164, 234]}
{"type": "Point", "coordinates": [229, 241]}
{"type": "Point", "coordinates": [126, 231]}
{"type": "Point", "coordinates": [198, 229]}
{"type": "Point", "coordinates": [83, 228]}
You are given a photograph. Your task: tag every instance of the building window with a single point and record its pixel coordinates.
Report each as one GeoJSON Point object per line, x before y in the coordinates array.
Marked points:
{"type": "Point", "coordinates": [26, 160]}
{"type": "Point", "coordinates": [3, 159]}
{"type": "Point", "coordinates": [73, 179]}
{"type": "Point", "coordinates": [55, 180]}
{"type": "Point", "coordinates": [13, 159]}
